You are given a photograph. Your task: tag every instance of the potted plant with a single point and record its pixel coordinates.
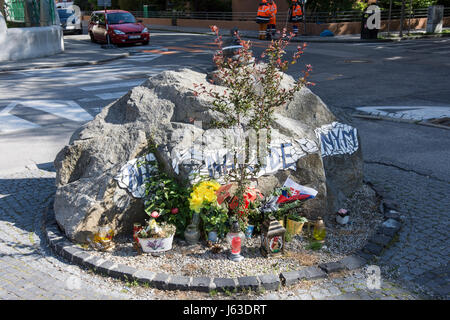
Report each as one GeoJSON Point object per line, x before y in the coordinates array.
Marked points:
{"type": "Point", "coordinates": [204, 202]}
{"type": "Point", "coordinates": [156, 237]}
{"type": "Point", "coordinates": [271, 208]}
{"type": "Point", "coordinates": [294, 224]}
{"type": "Point", "coordinates": [246, 207]}
{"type": "Point", "coordinates": [214, 219]}
{"type": "Point", "coordinates": [169, 199]}
{"type": "Point", "coordinates": [342, 216]}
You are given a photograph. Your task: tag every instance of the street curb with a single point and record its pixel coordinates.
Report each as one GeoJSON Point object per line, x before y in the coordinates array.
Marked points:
{"type": "Point", "coordinates": [61, 246]}
{"type": "Point", "coordinates": [385, 118]}
{"type": "Point", "coordinates": [67, 64]}
{"type": "Point", "coordinates": [424, 36]}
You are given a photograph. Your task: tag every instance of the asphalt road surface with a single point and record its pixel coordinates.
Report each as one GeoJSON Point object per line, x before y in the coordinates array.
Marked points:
{"type": "Point", "coordinates": [40, 108]}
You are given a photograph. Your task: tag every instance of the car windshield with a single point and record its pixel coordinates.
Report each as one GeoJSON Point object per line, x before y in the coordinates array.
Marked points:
{"type": "Point", "coordinates": [64, 14]}
{"type": "Point", "coordinates": [120, 17]}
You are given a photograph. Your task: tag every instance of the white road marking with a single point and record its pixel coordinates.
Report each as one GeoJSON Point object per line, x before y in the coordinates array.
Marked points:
{"type": "Point", "coordinates": [122, 84]}
{"type": "Point", "coordinates": [109, 96]}
{"type": "Point", "coordinates": [10, 123]}
{"type": "Point", "coordinates": [64, 109]}
{"type": "Point", "coordinates": [88, 99]}
{"type": "Point", "coordinates": [144, 57]}
{"type": "Point", "coordinates": [86, 80]}
{"type": "Point", "coordinates": [393, 58]}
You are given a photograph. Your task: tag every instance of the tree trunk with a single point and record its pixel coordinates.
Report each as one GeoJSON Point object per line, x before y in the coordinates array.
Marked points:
{"type": "Point", "coordinates": [389, 21]}
{"type": "Point", "coordinates": [402, 18]}
{"type": "Point", "coordinates": [2, 8]}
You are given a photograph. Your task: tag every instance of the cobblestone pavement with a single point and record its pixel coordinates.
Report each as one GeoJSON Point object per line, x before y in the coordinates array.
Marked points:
{"type": "Point", "coordinates": [29, 270]}
{"type": "Point", "coordinates": [421, 254]}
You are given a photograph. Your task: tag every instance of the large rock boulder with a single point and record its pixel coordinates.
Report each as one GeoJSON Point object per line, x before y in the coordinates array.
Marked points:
{"type": "Point", "coordinates": [307, 143]}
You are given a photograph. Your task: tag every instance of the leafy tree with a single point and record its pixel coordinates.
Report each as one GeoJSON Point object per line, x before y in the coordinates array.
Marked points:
{"type": "Point", "coordinates": [130, 5]}
{"type": "Point", "coordinates": [211, 6]}
{"type": "Point", "coordinates": [397, 4]}
{"type": "Point", "coordinates": [445, 3]}
{"type": "Point", "coordinates": [89, 5]}
{"type": "Point", "coordinates": [330, 5]}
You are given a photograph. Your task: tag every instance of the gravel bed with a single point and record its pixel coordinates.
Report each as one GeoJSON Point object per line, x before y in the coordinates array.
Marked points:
{"type": "Point", "coordinates": [199, 260]}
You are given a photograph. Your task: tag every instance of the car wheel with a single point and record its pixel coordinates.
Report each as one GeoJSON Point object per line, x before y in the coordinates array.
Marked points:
{"type": "Point", "coordinates": [80, 31]}
{"type": "Point", "coordinates": [92, 37]}
{"type": "Point", "coordinates": [145, 43]}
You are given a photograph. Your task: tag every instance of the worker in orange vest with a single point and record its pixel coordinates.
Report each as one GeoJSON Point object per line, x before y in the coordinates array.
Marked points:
{"type": "Point", "coordinates": [271, 27]}
{"type": "Point", "coordinates": [263, 18]}
{"type": "Point", "coordinates": [295, 15]}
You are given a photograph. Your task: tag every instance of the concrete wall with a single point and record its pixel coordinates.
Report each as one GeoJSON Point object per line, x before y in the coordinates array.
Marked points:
{"type": "Point", "coordinates": [26, 43]}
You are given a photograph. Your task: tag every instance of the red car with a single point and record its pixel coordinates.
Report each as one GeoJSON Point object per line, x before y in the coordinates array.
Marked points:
{"type": "Point", "coordinates": [120, 26]}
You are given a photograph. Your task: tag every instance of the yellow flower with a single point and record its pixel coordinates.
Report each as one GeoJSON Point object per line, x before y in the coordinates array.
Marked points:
{"type": "Point", "coordinates": [210, 196]}
{"type": "Point", "coordinates": [195, 203]}
{"type": "Point", "coordinates": [214, 185]}
{"type": "Point", "coordinates": [205, 191]}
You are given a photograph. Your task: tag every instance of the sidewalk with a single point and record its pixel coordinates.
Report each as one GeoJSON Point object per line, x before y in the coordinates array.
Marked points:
{"type": "Point", "coordinates": [78, 51]}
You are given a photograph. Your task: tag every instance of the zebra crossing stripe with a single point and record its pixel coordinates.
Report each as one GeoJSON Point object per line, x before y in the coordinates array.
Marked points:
{"type": "Point", "coordinates": [113, 95]}
{"type": "Point", "coordinates": [122, 84]}
{"type": "Point", "coordinates": [10, 123]}
{"type": "Point", "coordinates": [64, 109]}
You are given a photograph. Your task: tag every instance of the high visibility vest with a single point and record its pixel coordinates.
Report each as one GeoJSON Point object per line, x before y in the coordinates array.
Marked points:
{"type": "Point", "coordinates": [273, 13]}
{"type": "Point", "coordinates": [296, 12]}
{"type": "Point", "coordinates": [263, 15]}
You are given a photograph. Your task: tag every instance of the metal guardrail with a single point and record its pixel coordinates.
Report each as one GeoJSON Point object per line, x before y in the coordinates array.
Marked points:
{"type": "Point", "coordinates": [19, 11]}
{"type": "Point", "coordinates": [15, 10]}
{"type": "Point", "coordinates": [316, 17]}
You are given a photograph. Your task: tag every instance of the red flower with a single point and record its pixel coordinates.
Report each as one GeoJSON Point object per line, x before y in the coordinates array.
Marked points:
{"type": "Point", "coordinates": [155, 214]}
{"type": "Point", "coordinates": [249, 196]}
{"type": "Point", "coordinates": [174, 210]}
{"type": "Point", "coordinates": [223, 193]}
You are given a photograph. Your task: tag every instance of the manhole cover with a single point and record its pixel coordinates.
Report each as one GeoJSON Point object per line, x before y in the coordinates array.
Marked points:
{"type": "Point", "coordinates": [357, 61]}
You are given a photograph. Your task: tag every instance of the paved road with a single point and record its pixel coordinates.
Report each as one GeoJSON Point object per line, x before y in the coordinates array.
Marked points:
{"type": "Point", "coordinates": [40, 109]}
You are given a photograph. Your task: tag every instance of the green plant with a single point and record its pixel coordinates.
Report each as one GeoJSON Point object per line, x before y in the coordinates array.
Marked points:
{"type": "Point", "coordinates": [314, 245]}
{"type": "Point", "coordinates": [255, 217]}
{"type": "Point", "coordinates": [253, 92]}
{"type": "Point", "coordinates": [213, 293]}
{"type": "Point", "coordinates": [288, 236]}
{"type": "Point", "coordinates": [203, 200]}
{"type": "Point", "coordinates": [296, 217]}
{"type": "Point", "coordinates": [167, 197]}
{"type": "Point", "coordinates": [214, 218]}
